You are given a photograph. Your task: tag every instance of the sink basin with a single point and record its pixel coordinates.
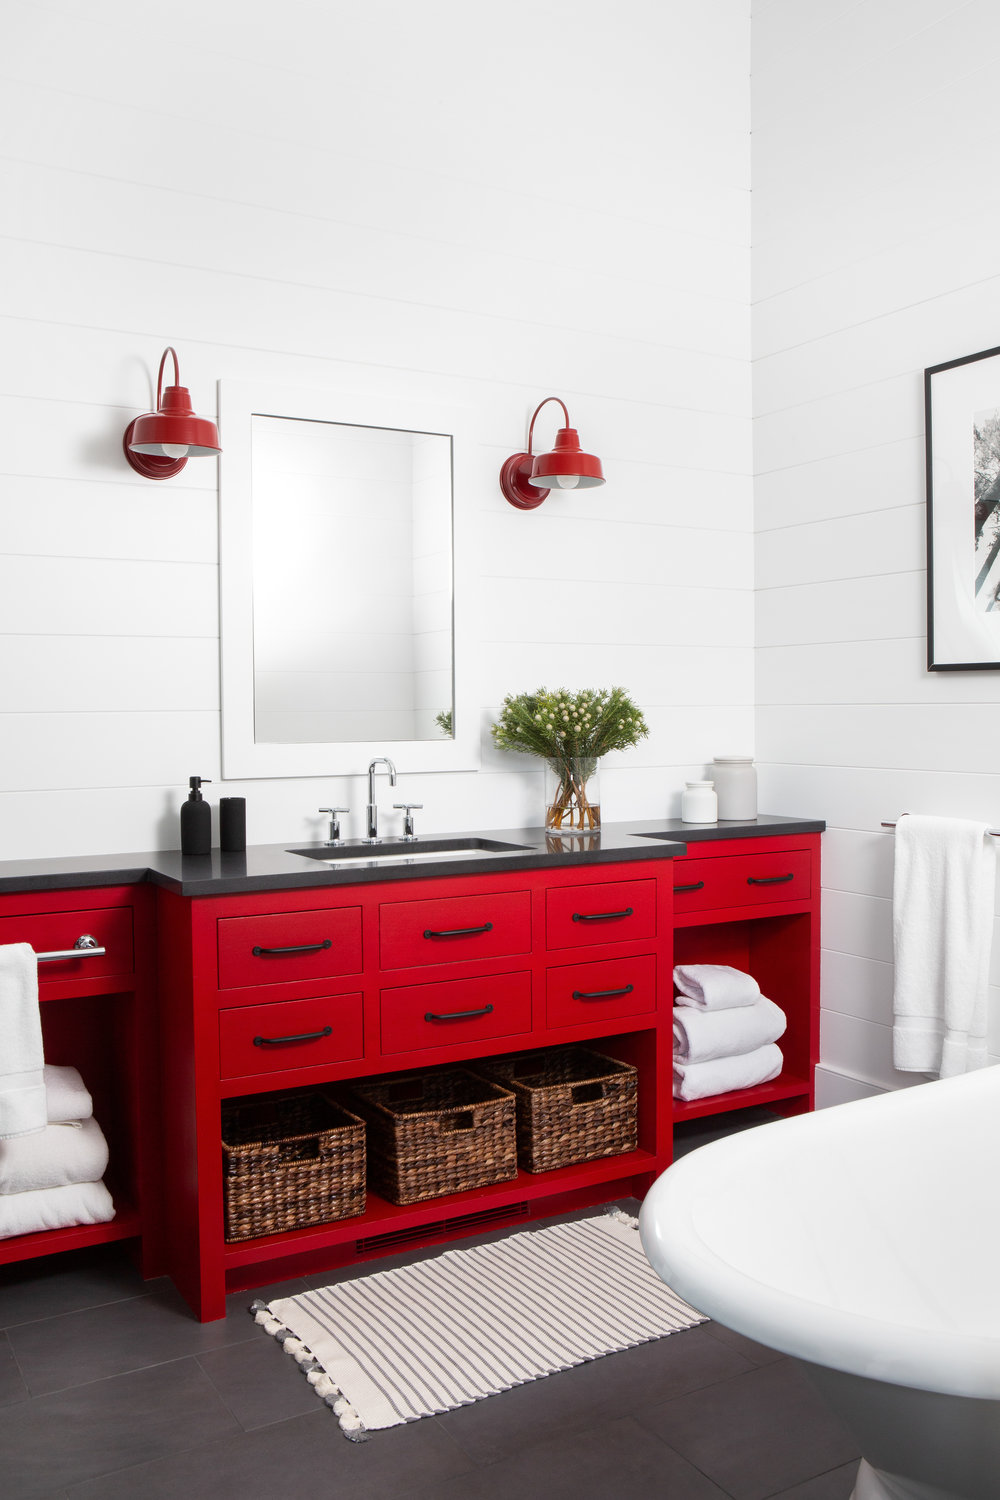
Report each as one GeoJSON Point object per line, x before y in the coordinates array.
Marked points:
{"type": "Point", "coordinates": [397, 851]}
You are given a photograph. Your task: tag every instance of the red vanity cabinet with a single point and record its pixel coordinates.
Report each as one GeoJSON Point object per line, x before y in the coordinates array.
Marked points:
{"type": "Point", "coordinates": [198, 1000]}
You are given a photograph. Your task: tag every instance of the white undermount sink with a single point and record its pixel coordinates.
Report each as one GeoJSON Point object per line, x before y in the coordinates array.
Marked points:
{"type": "Point", "coordinates": [401, 851]}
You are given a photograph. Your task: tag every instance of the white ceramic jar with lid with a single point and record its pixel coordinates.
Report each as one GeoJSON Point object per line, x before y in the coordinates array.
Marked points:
{"type": "Point", "coordinates": [736, 787]}
{"type": "Point", "coordinates": [699, 803]}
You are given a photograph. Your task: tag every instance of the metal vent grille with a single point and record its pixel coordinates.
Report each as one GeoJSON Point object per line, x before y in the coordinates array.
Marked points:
{"type": "Point", "coordinates": [441, 1228]}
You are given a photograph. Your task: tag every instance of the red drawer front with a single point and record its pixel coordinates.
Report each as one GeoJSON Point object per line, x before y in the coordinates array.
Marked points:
{"type": "Point", "coordinates": [618, 912]}
{"type": "Point", "coordinates": [454, 929]}
{"type": "Point", "coordinates": [580, 993]}
{"type": "Point", "coordinates": [292, 1034]}
{"type": "Point", "coordinates": [741, 880]}
{"type": "Point", "coordinates": [437, 1015]}
{"type": "Point", "coordinates": [54, 932]}
{"type": "Point", "coordinates": [289, 945]}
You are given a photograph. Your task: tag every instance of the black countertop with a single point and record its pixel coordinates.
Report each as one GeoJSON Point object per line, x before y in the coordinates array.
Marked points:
{"type": "Point", "coordinates": [274, 867]}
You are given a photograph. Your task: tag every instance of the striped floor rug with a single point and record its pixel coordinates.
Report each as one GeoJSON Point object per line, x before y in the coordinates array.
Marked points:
{"type": "Point", "coordinates": [402, 1344]}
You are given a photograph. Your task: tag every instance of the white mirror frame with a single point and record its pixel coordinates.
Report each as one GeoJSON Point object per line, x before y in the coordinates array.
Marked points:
{"type": "Point", "coordinates": [242, 757]}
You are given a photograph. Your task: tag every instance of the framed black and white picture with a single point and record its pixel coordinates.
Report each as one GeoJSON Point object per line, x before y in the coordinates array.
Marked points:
{"type": "Point", "coordinates": [962, 404]}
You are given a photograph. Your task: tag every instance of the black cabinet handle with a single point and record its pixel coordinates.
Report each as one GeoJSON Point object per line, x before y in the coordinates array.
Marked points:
{"type": "Point", "coordinates": [601, 994]}
{"type": "Point", "coordinates": [296, 948]}
{"type": "Point", "coordinates": [457, 1015]}
{"type": "Point", "coordinates": [307, 1036]}
{"type": "Point", "coordinates": [769, 879]}
{"type": "Point", "coordinates": [600, 916]}
{"type": "Point", "coordinates": [699, 885]}
{"type": "Point", "coordinates": [458, 931]}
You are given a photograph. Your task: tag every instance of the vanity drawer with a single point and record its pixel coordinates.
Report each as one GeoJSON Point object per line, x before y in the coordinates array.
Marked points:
{"type": "Point", "coordinates": [621, 911]}
{"type": "Point", "coordinates": [454, 928]}
{"type": "Point", "coordinates": [287, 945]}
{"type": "Point", "coordinates": [578, 993]}
{"type": "Point", "coordinates": [293, 1034]}
{"type": "Point", "coordinates": [742, 880]}
{"type": "Point", "coordinates": [56, 932]}
{"type": "Point", "coordinates": [457, 1010]}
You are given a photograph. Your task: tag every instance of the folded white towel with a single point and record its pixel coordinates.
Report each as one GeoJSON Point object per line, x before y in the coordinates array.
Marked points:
{"type": "Point", "coordinates": [714, 986]}
{"type": "Point", "coordinates": [66, 1096]}
{"type": "Point", "coordinates": [701, 1035]}
{"type": "Point", "coordinates": [944, 883]}
{"type": "Point", "coordinates": [54, 1157]}
{"type": "Point", "coordinates": [704, 1079]}
{"type": "Point", "coordinates": [55, 1208]}
{"type": "Point", "coordinates": [22, 1092]}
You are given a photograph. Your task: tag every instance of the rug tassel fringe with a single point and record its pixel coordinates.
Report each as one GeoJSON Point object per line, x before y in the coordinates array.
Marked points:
{"type": "Point", "coordinates": [351, 1424]}
{"type": "Point", "coordinates": [622, 1217]}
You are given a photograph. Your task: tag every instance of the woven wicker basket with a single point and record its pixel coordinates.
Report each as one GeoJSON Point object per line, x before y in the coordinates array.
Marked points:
{"type": "Point", "coordinates": [572, 1105]}
{"type": "Point", "coordinates": [435, 1132]}
{"type": "Point", "coordinates": [290, 1160]}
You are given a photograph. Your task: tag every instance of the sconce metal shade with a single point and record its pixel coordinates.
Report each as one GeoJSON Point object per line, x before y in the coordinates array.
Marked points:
{"type": "Point", "coordinates": [567, 465]}
{"type": "Point", "coordinates": [526, 479]}
{"type": "Point", "coordinates": [159, 444]}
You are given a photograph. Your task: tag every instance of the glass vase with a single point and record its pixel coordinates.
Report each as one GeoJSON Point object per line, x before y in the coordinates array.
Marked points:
{"type": "Point", "coordinates": [572, 794]}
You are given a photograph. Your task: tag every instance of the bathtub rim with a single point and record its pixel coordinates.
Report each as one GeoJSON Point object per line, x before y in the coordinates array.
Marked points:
{"type": "Point", "coordinates": [940, 1360]}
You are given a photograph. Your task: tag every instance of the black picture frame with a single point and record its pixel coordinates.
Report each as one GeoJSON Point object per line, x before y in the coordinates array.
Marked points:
{"type": "Point", "coordinates": [962, 437]}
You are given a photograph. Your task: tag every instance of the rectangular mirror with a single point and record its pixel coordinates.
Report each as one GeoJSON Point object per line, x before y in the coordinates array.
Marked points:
{"type": "Point", "coordinates": [338, 610]}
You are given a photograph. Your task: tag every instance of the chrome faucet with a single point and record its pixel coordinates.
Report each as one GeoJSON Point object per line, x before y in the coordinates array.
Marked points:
{"type": "Point", "coordinates": [372, 809]}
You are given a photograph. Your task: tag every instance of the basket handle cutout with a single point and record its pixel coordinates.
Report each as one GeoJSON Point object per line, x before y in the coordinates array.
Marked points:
{"type": "Point", "coordinates": [464, 1120]}
{"type": "Point", "coordinates": [586, 1093]}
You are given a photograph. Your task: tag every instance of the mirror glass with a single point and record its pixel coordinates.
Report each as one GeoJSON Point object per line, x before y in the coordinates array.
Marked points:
{"type": "Point", "coordinates": [352, 582]}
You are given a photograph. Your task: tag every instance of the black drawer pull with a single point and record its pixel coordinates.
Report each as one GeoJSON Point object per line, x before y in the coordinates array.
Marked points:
{"type": "Point", "coordinates": [457, 1015]}
{"type": "Point", "coordinates": [769, 879]}
{"type": "Point", "coordinates": [307, 1036]}
{"type": "Point", "coordinates": [458, 931]}
{"type": "Point", "coordinates": [600, 916]}
{"type": "Point", "coordinates": [601, 994]}
{"type": "Point", "coordinates": [296, 948]}
{"type": "Point", "coordinates": [698, 885]}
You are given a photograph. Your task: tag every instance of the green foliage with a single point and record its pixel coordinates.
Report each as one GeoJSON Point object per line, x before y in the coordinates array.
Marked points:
{"type": "Point", "coordinates": [563, 725]}
{"type": "Point", "coordinates": [443, 721]}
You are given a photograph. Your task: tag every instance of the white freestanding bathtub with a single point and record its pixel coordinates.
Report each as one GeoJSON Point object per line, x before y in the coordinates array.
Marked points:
{"type": "Point", "coordinates": [864, 1240]}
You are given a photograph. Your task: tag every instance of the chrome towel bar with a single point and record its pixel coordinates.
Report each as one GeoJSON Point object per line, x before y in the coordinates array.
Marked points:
{"type": "Point", "coordinates": [993, 832]}
{"type": "Point", "coordinates": [84, 947]}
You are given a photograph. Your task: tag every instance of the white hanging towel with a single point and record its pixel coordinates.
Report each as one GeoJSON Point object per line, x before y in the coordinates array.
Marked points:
{"type": "Point", "coordinates": [22, 1089]}
{"type": "Point", "coordinates": [942, 927]}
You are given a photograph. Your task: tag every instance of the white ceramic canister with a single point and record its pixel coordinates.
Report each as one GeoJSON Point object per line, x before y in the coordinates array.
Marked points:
{"type": "Point", "coordinates": [736, 786]}
{"type": "Point", "coordinates": [699, 803]}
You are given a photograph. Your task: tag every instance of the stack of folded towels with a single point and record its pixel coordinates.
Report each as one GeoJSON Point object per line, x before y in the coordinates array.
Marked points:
{"type": "Point", "coordinates": [51, 1178]}
{"type": "Point", "coordinates": [53, 1154]}
{"type": "Point", "coordinates": [725, 1032]}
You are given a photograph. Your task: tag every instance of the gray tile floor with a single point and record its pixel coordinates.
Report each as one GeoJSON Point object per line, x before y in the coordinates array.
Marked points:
{"type": "Point", "coordinates": [109, 1389]}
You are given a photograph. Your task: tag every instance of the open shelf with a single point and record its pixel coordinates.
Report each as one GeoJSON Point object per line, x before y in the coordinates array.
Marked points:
{"type": "Point", "coordinates": [126, 1225]}
{"type": "Point", "coordinates": [382, 1217]}
{"type": "Point", "coordinates": [786, 1086]}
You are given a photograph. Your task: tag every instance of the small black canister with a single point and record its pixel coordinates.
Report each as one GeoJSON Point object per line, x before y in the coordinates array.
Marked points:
{"type": "Point", "coordinates": [233, 824]}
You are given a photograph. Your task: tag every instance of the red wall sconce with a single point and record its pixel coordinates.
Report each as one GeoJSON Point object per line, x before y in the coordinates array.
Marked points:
{"type": "Point", "coordinates": [159, 444]}
{"type": "Point", "coordinates": [526, 479]}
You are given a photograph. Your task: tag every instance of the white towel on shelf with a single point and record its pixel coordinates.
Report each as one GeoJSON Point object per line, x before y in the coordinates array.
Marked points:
{"type": "Point", "coordinates": [723, 1074]}
{"type": "Point", "coordinates": [701, 1035]}
{"type": "Point", "coordinates": [944, 884]}
{"type": "Point", "coordinates": [22, 1091]}
{"type": "Point", "coordinates": [55, 1208]}
{"type": "Point", "coordinates": [55, 1157]}
{"type": "Point", "coordinates": [66, 1095]}
{"type": "Point", "coordinates": [714, 986]}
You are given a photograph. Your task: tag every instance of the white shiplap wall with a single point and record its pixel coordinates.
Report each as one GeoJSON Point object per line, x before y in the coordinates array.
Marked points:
{"type": "Point", "coordinates": [398, 198]}
{"type": "Point", "coordinates": [875, 228]}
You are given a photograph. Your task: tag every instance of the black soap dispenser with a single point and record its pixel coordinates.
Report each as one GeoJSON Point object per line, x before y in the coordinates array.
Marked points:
{"type": "Point", "coordinates": [196, 820]}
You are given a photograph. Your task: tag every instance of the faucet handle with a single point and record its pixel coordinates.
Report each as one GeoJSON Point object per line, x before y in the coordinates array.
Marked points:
{"type": "Point", "coordinates": [334, 822]}
{"type": "Point", "coordinates": [408, 807]}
